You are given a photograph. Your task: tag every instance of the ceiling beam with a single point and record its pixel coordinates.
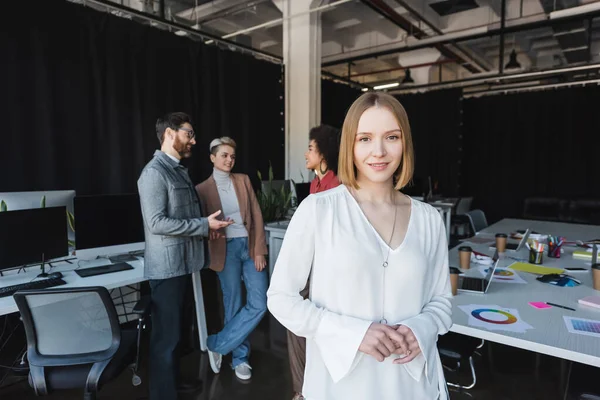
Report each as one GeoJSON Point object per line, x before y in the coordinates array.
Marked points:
{"type": "Point", "coordinates": [380, 7]}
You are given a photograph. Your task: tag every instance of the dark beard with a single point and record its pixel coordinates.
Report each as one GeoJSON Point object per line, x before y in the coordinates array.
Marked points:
{"type": "Point", "coordinates": [181, 148]}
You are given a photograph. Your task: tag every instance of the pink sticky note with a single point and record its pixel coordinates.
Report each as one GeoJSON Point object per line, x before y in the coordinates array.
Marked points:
{"type": "Point", "coordinates": [539, 304]}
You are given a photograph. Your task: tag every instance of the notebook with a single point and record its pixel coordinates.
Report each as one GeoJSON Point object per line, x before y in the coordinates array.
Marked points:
{"type": "Point", "coordinates": [591, 301]}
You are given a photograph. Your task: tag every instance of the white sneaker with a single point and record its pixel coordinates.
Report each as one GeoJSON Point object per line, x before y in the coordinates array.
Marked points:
{"type": "Point", "coordinates": [215, 361]}
{"type": "Point", "coordinates": [243, 371]}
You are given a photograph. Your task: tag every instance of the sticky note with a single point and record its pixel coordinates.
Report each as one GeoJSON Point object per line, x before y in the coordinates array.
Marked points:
{"type": "Point", "coordinates": [539, 304]}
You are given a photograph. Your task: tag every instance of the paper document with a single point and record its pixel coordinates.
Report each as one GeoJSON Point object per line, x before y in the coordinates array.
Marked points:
{"type": "Point", "coordinates": [495, 318]}
{"type": "Point", "coordinates": [503, 275]}
{"type": "Point", "coordinates": [580, 326]}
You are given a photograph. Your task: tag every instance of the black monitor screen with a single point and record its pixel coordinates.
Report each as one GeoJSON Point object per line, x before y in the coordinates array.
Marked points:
{"type": "Point", "coordinates": [108, 220]}
{"type": "Point", "coordinates": [28, 235]}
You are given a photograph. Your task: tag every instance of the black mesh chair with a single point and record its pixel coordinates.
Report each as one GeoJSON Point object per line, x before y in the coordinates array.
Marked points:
{"type": "Point", "coordinates": [456, 350]}
{"type": "Point", "coordinates": [74, 339]}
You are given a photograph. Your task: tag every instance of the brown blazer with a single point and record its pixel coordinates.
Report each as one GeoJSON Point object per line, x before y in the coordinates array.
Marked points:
{"type": "Point", "coordinates": [251, 215]}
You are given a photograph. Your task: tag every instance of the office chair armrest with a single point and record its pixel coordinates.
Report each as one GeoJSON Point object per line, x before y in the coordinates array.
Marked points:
{"type": "Point", "coordinates": [142, 307]}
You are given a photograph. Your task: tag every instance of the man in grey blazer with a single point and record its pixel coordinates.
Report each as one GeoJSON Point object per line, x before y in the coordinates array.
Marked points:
{"type": "Point", "coordinates": [175, 229]}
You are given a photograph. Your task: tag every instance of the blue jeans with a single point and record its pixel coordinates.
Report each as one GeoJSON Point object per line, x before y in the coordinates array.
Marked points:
{"type": "Point", "coordinates": [239, 321]}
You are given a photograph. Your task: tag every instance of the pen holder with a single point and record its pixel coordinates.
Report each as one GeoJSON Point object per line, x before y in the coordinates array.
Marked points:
{"type": "Point", "coordinates": [536, 257]}
{"type": "Point", "coordinates": [554, 250]}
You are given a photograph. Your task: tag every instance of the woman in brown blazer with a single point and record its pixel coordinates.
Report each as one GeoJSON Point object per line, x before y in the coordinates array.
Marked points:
{"type": "Point", "coordinates": [239, 252]}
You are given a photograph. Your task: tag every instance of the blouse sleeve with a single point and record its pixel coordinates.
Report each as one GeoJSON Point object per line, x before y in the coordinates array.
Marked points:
{"type": "Point", "coordinates": [436, 316]}
{"type": "Point", "coordinates": [337, 336]}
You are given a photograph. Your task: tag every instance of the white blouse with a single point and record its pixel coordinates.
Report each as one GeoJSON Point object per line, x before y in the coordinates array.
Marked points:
{"type": "Point", "coordinates": [349, 290]}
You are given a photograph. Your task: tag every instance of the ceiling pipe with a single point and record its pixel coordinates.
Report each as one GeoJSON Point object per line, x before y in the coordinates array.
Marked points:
{"type": "Point", "coordinates": [191, 32]}
{"type": "Point", "coordinates": [428, 64]}
{"type": "Point", "coordinates": [221, 13]}
{"type": "Point", "coordinates": [530, 88]}
{"type": "Point", "coordinates": [280, 20]}
{"type": "Point", "coordinates": [498, 78]}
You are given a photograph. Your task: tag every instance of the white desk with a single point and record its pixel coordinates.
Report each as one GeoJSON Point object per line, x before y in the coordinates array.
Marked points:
{"type": "Point", "coordinates": [276, 232]}
{"type": "Point", "coordinates": [445, 210]}
{"type": "Point", "coordinates": [550, 335]}
{"type": "Point", "coordinates": [109, 281]}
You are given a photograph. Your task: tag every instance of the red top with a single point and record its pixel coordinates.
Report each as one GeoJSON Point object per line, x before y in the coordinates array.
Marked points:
{"type": "Point", "coordinates": [329, 181]}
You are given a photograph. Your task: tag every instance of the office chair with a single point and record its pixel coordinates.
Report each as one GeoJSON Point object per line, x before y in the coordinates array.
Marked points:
{"type": "Point", "coordinates": [478, 220]}
{"type": "Point", "coordinates": [74, 339]}
{"type": "Point", "coordinates": [463, 205]}
{"type": "Point", "coordinates": [455, 350]}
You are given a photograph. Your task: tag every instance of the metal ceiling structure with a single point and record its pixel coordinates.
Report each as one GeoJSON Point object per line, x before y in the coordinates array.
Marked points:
{"type": "Point", "coordinates": [367, 43]}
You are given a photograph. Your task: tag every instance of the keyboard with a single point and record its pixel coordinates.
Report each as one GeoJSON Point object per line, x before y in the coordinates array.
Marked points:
{"type": "Point", "coordinates": [35, 285]}
{"type": "Point", "coordinates": [103, 269]}
{"type": "Point", "coordinates": [474, 284]}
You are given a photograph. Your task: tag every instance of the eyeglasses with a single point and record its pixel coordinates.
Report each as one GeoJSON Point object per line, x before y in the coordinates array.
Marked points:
{"type": "Point", "coordinates": [190, 133]}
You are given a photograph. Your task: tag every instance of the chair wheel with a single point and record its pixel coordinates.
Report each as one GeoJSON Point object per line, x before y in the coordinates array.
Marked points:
{"type": "Point", "coordinates": [136, 380]}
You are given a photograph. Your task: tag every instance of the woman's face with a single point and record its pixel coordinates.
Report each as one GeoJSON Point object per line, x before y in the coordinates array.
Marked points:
{"type": "Point", "coordinates": [378, 146]}
{"type": "Point", "coordinates": [224, 160]}
{"type": "Point", "coordinates": [312, 156]}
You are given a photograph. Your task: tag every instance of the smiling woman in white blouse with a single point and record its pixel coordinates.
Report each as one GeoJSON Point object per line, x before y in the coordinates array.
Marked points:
{"type": "Point", "coordinates": [378, 265]}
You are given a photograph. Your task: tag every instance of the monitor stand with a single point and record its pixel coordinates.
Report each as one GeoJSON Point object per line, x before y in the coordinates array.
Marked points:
{"type": "Point", "coordinates": [44, 274]}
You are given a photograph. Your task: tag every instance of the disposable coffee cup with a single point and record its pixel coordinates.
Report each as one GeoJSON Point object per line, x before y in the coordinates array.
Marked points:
{"type": "Point", "coordinates": [454, 279]}
{"type": "Point", "coordinates": [595, 275]}
{"type": "Point", "coordinates": [464, 253]}
{"type": "Point", "coordinates": [501, 242]}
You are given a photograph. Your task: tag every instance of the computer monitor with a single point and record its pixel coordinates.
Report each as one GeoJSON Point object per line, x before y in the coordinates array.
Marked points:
{"type": "Point", "coordinates": [27, 236]}
{"type": "Point", "coordinates": [108, 225]}
{"type": "Point", "coordinates": [28, 200]}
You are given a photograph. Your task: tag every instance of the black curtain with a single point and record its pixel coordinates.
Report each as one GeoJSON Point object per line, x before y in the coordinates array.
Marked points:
{"type": "Point", "coordinates": [435, 121]}
{"type": "Point", "coordinates": [336, 99]}
{"type": "Point", "coordinates": [81, 91]}
{"type": "Point", "coordinates": [543, 143]}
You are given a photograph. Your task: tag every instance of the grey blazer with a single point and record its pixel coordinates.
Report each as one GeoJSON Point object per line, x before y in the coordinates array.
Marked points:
{"type": "Point", "coordinates": [173, 223]}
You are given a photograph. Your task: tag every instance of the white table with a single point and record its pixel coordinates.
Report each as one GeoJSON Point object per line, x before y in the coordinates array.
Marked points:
{"type": "Point", "coordinates": [275, 232]}
{"type": "Point", "coordinates": [550, 335]}
{"type": "Point", "coordinates": [109, 281]}
{"type": "Point", "coordinates": [445, 210]}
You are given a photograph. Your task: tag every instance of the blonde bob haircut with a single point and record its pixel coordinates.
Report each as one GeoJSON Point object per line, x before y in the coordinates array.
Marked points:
{"type": "Point", "coordinates": [218, 142]}
{"type": "Point", "coordinates": [346, 168]}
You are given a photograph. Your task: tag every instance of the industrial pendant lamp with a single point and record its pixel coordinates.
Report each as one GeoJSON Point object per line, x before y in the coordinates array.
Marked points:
{"type": "Point", "coordinates": [512, 62]}
{"type": "Point", "coordinates": [407, 78]}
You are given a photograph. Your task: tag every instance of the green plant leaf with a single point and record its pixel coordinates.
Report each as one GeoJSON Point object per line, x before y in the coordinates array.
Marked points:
{"type": "Point", "coordinates": [43, 202]}
{"type": "Point", "coordinates": [71, 220]}
{"type": "Point", "coordinates": [71, 243]}
{"type": "Point", "coordinates": [3, 206]}
{"type": "Point", "coordinates": [259, 175]}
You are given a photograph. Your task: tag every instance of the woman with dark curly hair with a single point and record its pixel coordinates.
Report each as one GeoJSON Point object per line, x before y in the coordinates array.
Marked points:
{"type": "Point", "coordinates": [322, 157]}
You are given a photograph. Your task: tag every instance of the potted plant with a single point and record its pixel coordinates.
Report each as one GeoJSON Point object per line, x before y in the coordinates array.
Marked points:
{"type": "Point", "coordinates": [274, 204]}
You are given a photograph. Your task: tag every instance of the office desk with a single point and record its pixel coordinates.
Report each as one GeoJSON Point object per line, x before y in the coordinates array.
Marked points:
{"type": "Point", "coordinates": [275, 232]}
{"type": "Point", "coordinates": [550, 335]}
{"type": "Point", "coordinates": [109, 281]}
